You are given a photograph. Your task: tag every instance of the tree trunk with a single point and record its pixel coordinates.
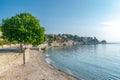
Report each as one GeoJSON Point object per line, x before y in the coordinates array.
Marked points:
{"type": "Point", "coordinates": [10, 44]}
{"type": "Point", "coordinates": [21, 48]}
{"type": "Point", "coordinates": [2, 45]}
{"type": "Point", "coordinates": [24, 56]}
{"type": "Point", "coordinates": [22, 51]}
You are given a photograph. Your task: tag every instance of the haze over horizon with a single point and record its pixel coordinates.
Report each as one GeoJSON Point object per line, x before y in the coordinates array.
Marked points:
{"type": "Point", "coordinates": [99, 18]}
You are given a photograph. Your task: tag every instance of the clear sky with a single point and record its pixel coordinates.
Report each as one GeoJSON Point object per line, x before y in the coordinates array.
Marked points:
{"type": "Point", "coordinates": [100, 18]}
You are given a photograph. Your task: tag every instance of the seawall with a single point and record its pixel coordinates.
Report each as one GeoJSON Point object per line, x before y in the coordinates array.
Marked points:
{"type": "Point", "coordinates": [11, 59]}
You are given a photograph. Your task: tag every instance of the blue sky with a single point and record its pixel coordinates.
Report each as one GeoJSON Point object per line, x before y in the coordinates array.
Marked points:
{"type": "Point", "coordinates": [100, 18]}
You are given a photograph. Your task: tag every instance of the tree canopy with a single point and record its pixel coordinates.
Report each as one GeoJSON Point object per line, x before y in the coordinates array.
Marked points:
{"type": "Point", "coordinates": [23, 28]}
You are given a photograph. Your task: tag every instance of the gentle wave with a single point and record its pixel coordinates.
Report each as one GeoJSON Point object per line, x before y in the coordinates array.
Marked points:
{"type": "Point", "coordinates": [48, 60]}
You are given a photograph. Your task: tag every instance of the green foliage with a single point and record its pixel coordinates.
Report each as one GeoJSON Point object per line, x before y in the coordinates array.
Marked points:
{"type": "Point", "coordinates": [23, 28]}
{"type": "Point", "coordinates": [51, 38]}
{"type": "Point", "coordinates": [45, 38]}
{"type": "Point", "coordinates": [0, 27]}
{"type": "Point", "coordinates": [5, 42]}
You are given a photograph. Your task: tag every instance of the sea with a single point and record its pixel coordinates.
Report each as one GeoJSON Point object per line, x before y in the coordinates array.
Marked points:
{"type": "Point", "coordinates": [87, 62]}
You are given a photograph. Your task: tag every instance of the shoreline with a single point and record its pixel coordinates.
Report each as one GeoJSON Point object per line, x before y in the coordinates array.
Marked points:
{"type": "Point", "coordinates": [43, 57]}
{"type": "Point", "coordinates": [36, 69]}
{"type": "Point", "coordinates": [60, 45]}
{"type": "Point", "coordinates": [49, 64]}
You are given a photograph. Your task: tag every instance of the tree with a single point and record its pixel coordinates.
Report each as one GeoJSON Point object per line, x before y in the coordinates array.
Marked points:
{"type": "Point", "coordinates": [51, 38]}
{"type": "Point", "coordinates": [23, 28]}
{"type": "Point", "coordinates": [45, 38]}
{"type": "Point", "coordinates": [103, 41]}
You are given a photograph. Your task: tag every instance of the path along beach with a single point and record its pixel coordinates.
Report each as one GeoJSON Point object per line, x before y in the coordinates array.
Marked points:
{"type": "Point", "coordinates": [35, 69]}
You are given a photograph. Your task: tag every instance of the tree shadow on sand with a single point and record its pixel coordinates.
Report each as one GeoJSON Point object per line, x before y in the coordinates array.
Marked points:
{"type": "Point", "coordinates": [9, 50]}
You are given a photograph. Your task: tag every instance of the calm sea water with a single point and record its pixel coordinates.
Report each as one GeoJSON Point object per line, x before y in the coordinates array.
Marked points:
{"type": "Point", "coordinates": [88, 62]}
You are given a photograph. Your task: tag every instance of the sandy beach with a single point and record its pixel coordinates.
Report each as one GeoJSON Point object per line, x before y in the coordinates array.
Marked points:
{"type": "Point", "coordinates": [35, 69]}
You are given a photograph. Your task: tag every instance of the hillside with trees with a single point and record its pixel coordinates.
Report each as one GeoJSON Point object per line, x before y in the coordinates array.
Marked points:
{"type": "Point", "coordinates": [70, 37]}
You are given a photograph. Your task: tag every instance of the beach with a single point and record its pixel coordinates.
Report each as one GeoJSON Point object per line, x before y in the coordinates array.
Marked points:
{"type": "Point", "coordinates": [35, 69]}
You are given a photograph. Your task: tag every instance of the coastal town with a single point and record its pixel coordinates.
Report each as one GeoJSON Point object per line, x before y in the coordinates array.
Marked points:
{"type": "Point", "coordinates": [72, 39]}
{"type": "Point", "coordinates": [63, 40]}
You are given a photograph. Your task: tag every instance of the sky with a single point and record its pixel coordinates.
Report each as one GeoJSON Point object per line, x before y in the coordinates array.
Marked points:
{"type": "Point", "coordinates": [99, 18]}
